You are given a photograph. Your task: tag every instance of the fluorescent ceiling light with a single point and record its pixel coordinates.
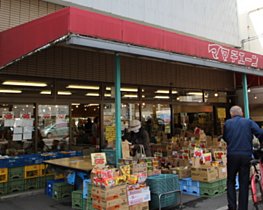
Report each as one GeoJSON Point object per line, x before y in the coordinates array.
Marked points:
{"type": "Point", "coordinates": [165, 91]}
{"type": "Point", "coordinates": [129, 89]}
{"type": "Point", "coordinates": [24, 83]}
{"type": "Point", "coordinates": [92, 94]}
{"type": "Point", "coordinates": [195, 93]}
{"type": "Point", "coordinates": [10, 91]}
{"type": "Point", "coordinates": [46, 92]}
{"type": "Point", "coordinates": [143, 96]}
{"type": "Point", "coordinates": [130, 96]}
{"type": "Point", "coordinates": [107, 95]}
{"type": "Point", "coordinates": [108, 88]}
{"type": "Point", "coordinates": [83, 87]}
{"type": "Point", "coordinates": [75, 104]}
{"type": "Point", "coordinates": [162, 97]}
{"type": "Point", "coordinates": [91, 105]}
{"type": "Point", "coordinates": [64, 93]}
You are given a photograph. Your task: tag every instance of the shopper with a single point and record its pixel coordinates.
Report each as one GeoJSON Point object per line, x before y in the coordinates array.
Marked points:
{"type": "Point", "coordinates": [238, 135]}
{"type": "Point", "coordinates": [96, 130]}
{"type": "Point", "coordinates": [139, 137]}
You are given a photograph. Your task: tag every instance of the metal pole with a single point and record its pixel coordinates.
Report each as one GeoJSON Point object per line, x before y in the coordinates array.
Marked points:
{"type": "Point", "coordinates": [245, 94]}
{"type": "Point", "coordinates": [118, 105]}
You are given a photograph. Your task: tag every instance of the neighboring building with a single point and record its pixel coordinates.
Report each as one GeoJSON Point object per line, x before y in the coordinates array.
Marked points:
{"type": "Point", "coordinates": [179, 64]}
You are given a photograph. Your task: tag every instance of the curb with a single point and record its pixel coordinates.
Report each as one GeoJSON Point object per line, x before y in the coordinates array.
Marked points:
{"type": "Point", "coordinates": [22, 194]}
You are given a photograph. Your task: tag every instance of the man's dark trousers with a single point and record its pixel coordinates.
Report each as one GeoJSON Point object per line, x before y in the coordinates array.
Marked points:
{"type": "Point", "coordinates": [241, 164]}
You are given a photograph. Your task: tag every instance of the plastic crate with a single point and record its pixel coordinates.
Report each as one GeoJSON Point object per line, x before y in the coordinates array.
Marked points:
{"type": "Point", "coordinates": [3, 188]}
{"type": "Point", "coordinates": [87, 204]}
{"type": "Point", "coordinates": [166, 200]}
{"type": "Point", "coordinates": [210, 191]}
{"type": "Point", "coordinates": [15, 186]}
{"type": "Point", "coordinates": [3, 175]}
{"type": "Point", "coordinates": [62, 190]}
{"type": "Point", "coordinates": [41, 180]}
{"type": "Point", "coordinates": [87, 185]}
{"type": "Point", "coordinates": [184, 188]}
{"type": "Point", "coordinates": [110, 156]}
{"type": "Point", "coordinates": [31, 171]}
{"type": "Point", "coordinates": [49, 191]}
{"type": "Point", "coordinates": [33, 159]}
{"type": "Point", "coordinates": [212, 184]}
{"type": "Point", "coordinates": [65, 154]}
{"type": "Point", "coordinates": [42, 170]}
{"type": "Point", "coordinates": [12, 162]}
{"type": "Point", "coordinates": [193, 190]}
{"type": "Point", "coordinates": [163, 183]}
{"type": "Point", "coordinates": [31, 184]}
{"type": "Point", "coordinates": [193, 183]}
{"type": "Point", "coordinates": [185, 181]}
{"type": "Point", "coordinates": [16, 173]}
{"type": "Point", "coordinates": [49, 156]}
{"type": "Point", "coordinates": [77, 197]}
{"type": "Point", "coordinates": [78, 153]}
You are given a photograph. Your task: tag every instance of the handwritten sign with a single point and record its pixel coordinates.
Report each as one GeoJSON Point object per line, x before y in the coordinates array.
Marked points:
{"type": "Point", "coordinates": [198, 152]}
{"type": "Point", "coordinates": [25, 115]}
{"type": "Point", "coordinates": [8, 115]}
{"type": "Point", "coordinates": [207, 157]}
{"type": "Point", "coordinates": [125, 149]}
{"type": "Point", "coordinates": [169, 147]}
{"type": "Point", "coordinates": [98, 159]}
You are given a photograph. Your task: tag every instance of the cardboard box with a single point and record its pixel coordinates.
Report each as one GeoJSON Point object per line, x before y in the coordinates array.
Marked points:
{"type": "Point", "coordinates": [115, 202]}
{"type": "Point", "coordinates": [108, 194]}
{"type": "Point", "coordinates": [204, 173]}
{"type": "Point", "coordinates": [141, 190]}
{"type": "Point", "coordinates": [153, 173]}
{"type": "Point", "coordinates": [139, 168]}
{"type": "Point", "coordinates": [166, 171]}
{"type": "Point", "coordinates": [182, 173]}
{"type": "Point", "coordinates": [140, 206]}
{"type": "Point", "coordinates": [222, 172]}
{"type": "Point", "coordinates": [139, 198]}
{"type": "Point", "coordinates": [201, 136]}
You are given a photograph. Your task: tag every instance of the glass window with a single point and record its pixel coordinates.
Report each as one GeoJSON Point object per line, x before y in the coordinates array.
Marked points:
{"type": "Point", "coordinates": [183, 95]}
{"type": "Point", "coordinates": [156, 117]}
{"type": "Point", "coordinates": [17, 129]}
{"type": "Point", "coordinates": [53, 121]}
{"type": "Point", "coordinates": [215, 97]}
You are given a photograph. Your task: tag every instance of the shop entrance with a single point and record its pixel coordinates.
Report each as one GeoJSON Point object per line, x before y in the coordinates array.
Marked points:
{"type": "Point", "coordinates": [85, 124]}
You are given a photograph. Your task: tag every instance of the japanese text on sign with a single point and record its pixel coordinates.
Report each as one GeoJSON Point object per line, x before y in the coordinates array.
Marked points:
{"type": "Point", "coordinates": [98, 159]}
{"type": "Point", "coordinates": [8, 115]}
{"type": "Point", "coordinates": [25, 115]}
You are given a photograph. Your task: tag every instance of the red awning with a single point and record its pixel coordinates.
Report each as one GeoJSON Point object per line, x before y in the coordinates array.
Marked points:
{"type": "Point", "coordinates": [21, 40]}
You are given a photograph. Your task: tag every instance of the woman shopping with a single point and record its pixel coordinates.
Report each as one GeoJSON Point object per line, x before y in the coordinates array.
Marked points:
{"type": "Point", "coordinates": [139, 137]}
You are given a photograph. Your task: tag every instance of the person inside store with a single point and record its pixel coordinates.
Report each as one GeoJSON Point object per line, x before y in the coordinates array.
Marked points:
{"type": "Point", "coordinates": [88, 128]}
{"type": "Point", "coordinates": [238, 134]}
{"type": "Point", "coordinates": [96, 130]}
{"type": "Point", "coordinates": [138, 136]}
{"type": "Point", "coordinates": [148, 128]}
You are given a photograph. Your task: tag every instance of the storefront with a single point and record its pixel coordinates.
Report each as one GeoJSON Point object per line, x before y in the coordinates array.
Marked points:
{"type": "Point", "coordinates": [63, 73]}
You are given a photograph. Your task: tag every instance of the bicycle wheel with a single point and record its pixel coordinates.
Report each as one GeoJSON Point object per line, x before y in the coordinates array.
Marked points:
{"type": "Point", "coordinates": [259, 194]}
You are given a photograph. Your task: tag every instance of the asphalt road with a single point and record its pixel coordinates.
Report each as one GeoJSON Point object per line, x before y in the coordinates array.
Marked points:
{"type": "Point", "coordinates": [37, 200]}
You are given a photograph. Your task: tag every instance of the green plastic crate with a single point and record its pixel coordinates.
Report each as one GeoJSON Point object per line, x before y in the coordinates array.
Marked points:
{"type": "Point", "coordinates": [166, 200]}
{"type": "Point", "coordinates": [41, 180]}
{"type": "Point", "coordinates": [3, 188]}
{"type": "Point", "coordinates": [76, 203]}
{"type": "Point", "coordinates": [77, 194]}
{"type": "Point", "coordinates": [62, 190]}
{"type": "Point", "coordinates": [87, 205]}
{"type": "Point", "coordinates": [16, 173]}
{"type": "Point", "coordinates": [15, 186]}
{"type": "Point", "coordinates": [212, 184]}
{"type": "Point", "coordinates": [163, 183]}
{"type": "Point", "coordinates": [210, 191]}
{"type": "Point", "coordinates": [31, 184]}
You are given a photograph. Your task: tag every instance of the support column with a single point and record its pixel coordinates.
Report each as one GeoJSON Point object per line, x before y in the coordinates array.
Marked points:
{"type": "Point", "coordinates": [245, 95]}
{"type": "Point", "coordinates": [118, 105]}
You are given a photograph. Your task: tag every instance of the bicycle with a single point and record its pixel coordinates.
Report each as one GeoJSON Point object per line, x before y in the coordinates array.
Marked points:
{"type": "Point", "coordinates": [257, 182]}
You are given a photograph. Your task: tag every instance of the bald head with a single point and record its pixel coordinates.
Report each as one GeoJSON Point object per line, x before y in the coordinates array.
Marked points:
{"type": "Point", "coordinates": [236, 110]}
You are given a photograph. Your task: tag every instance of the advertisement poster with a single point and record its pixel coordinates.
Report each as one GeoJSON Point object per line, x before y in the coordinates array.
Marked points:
{"type": "Point", "coordinates": [8, 118]}
{"type": "Point", "coordinates": [98, 159]}
{"type": "Point", "coordinates": [25, 115]}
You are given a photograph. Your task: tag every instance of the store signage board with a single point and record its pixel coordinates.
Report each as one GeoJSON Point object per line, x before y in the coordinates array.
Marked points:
{"type": "Point", "coordinates": [221, 113]}
{"type": "Point", "coordinates": [98, 159]}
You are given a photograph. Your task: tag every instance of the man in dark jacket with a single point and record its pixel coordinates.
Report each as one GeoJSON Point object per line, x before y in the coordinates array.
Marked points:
{"type": "Point", "coordinates": [238, 135]}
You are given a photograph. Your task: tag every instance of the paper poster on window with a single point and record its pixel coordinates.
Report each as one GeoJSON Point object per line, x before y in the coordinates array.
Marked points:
{"type": "Point", "coordinates": [8, 118]}
{"type": "Point", "coordinates": [25, 115]}
{"type": "Point", "coordinates": [28, 129]}
{"type": "Point", "coordinates": [61, 123]}
{"type": "Point", "coordinates": [46, 116]}
{"type": "Point", "coordinates": [24, 123]}
{"type": "Point", "coordinates": [9, 123]}
{"type": "Point", "coordinates": [61, 116]}
{"type": "Point", "coordinates": [17, 137]}
{"type": "Point", "coordinates": [27, 136]}
{"type": "Point", "coordinates": [18, 130]}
